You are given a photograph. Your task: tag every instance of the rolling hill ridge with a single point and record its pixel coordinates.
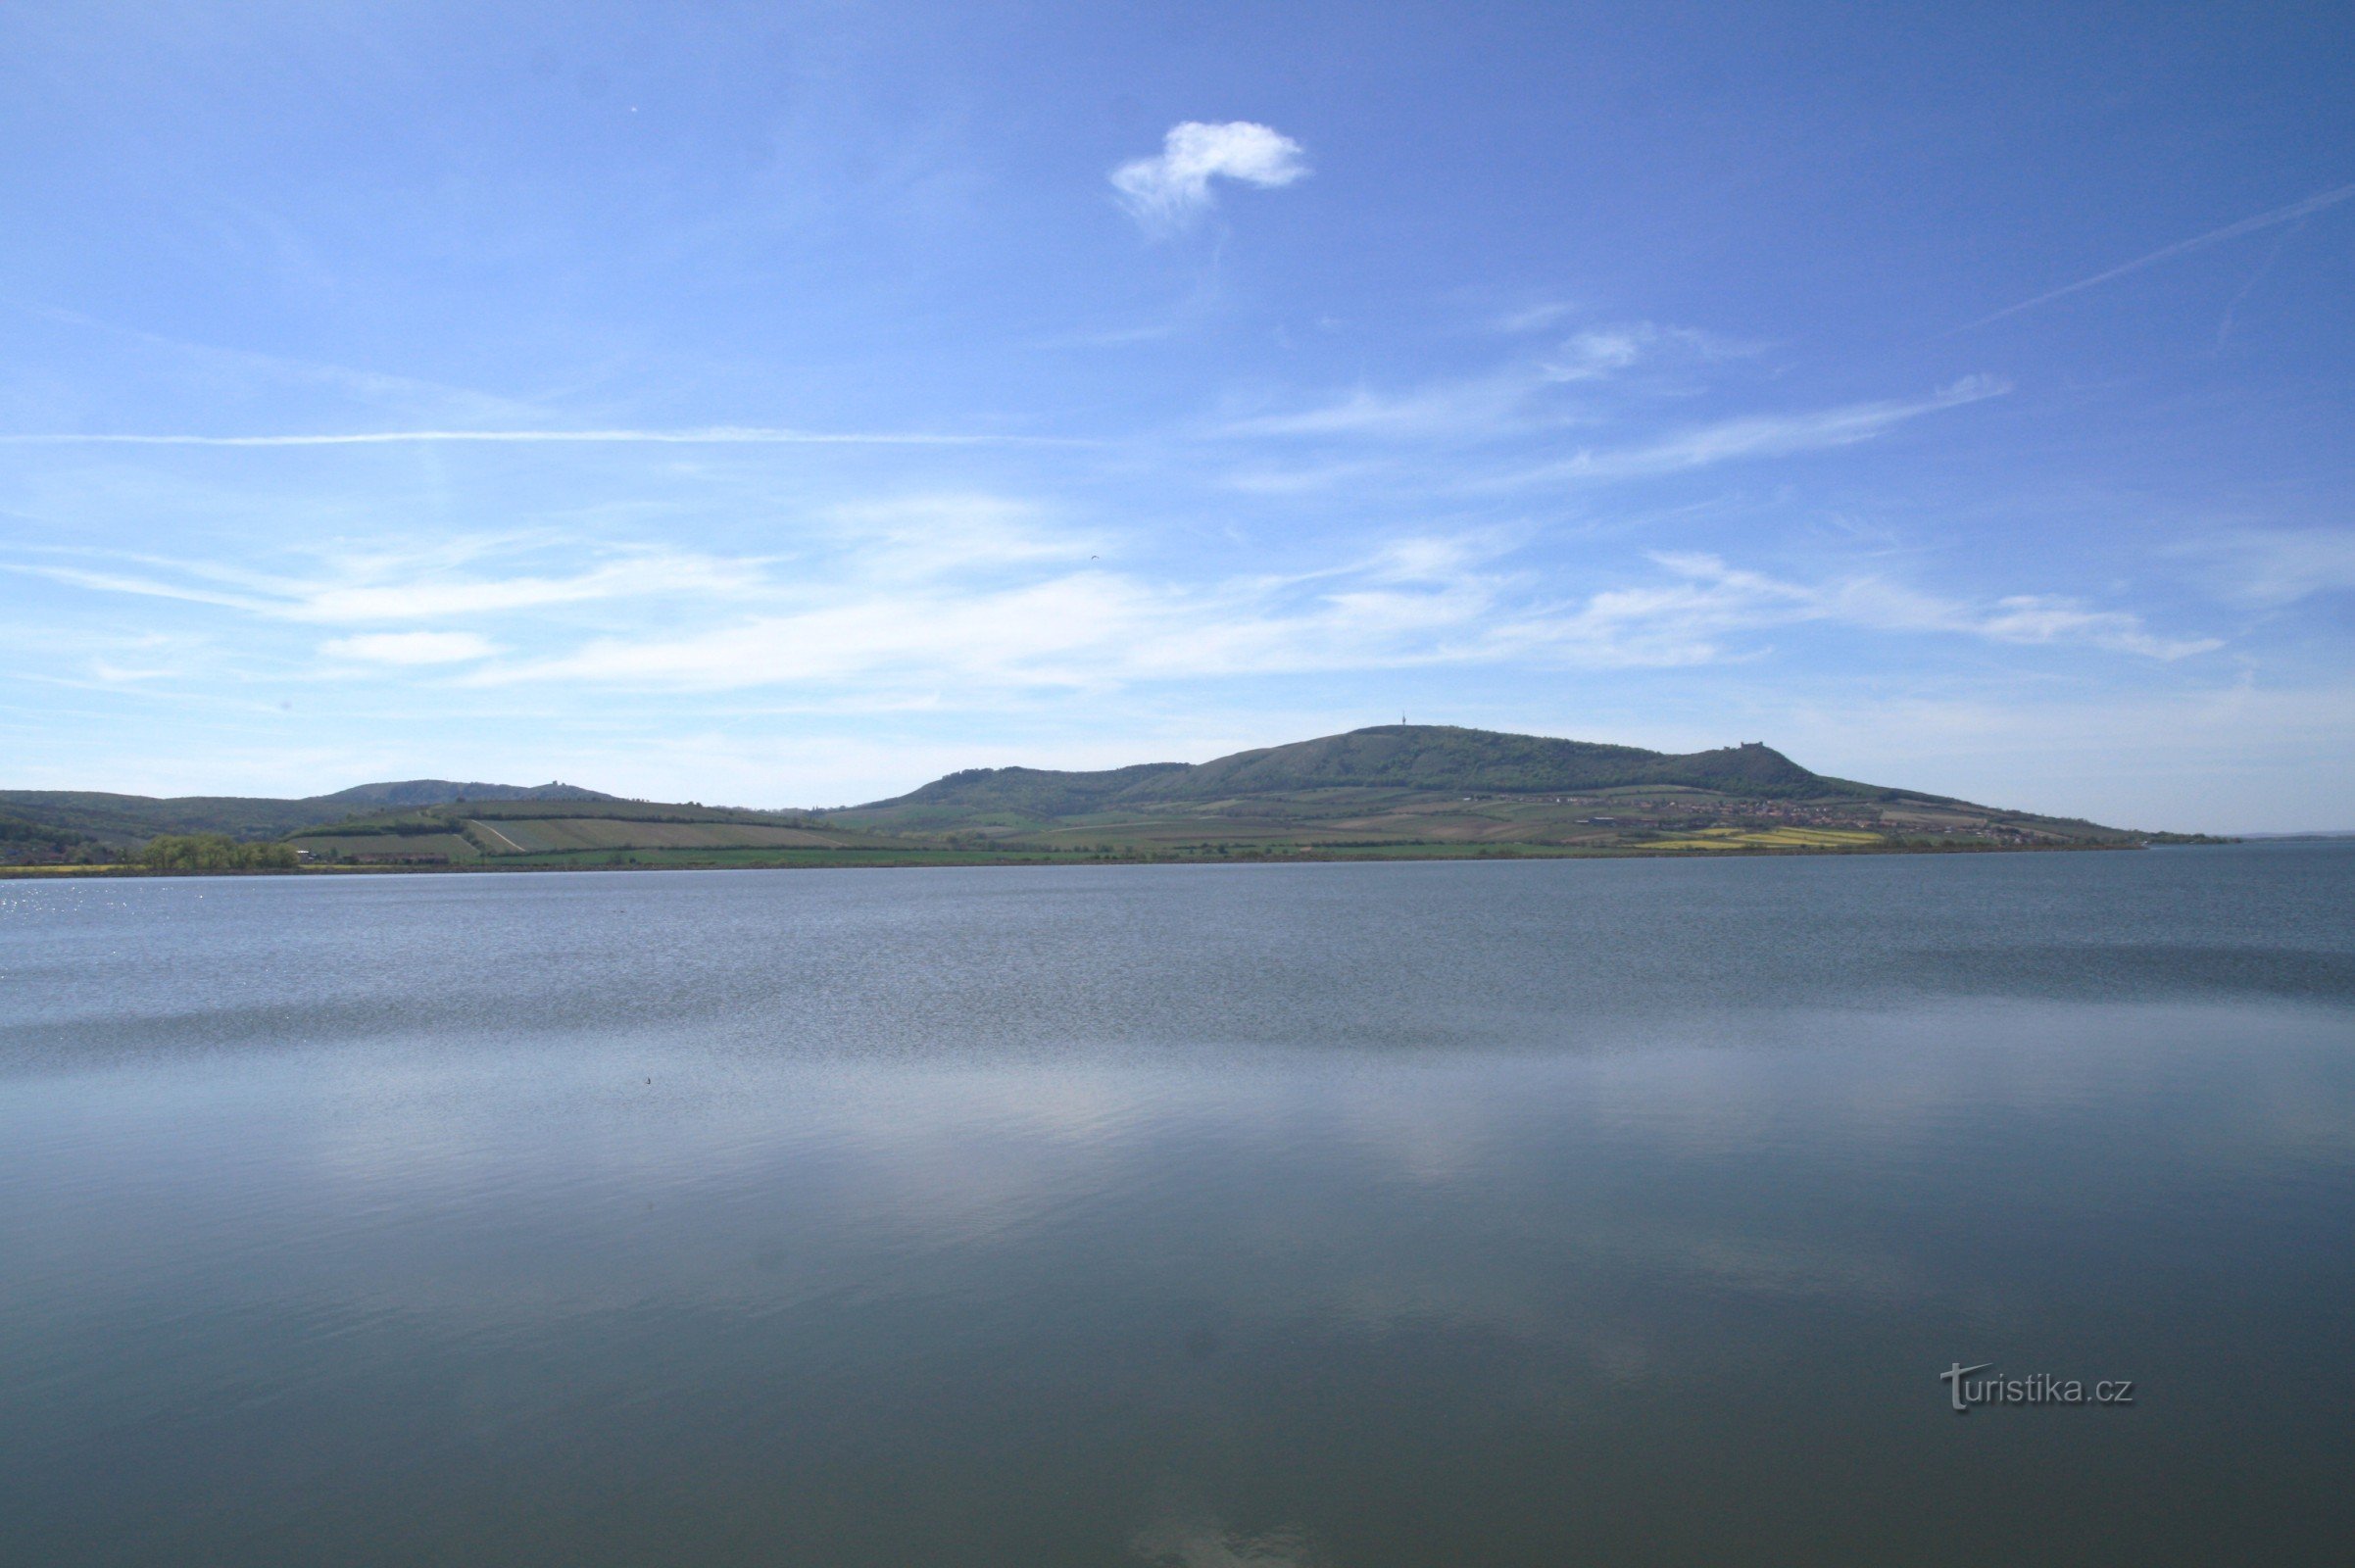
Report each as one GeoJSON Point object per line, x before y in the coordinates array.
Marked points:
{"type": "Point", "coordinates": [1394, 756]}
{"type": "Point", "coordinates": [93, 816]}
{"type": "Point", "coordinates": [1391, 791]}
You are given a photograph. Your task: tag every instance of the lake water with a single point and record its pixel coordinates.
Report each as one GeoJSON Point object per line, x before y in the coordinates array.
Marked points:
{"type": "Point", "coordinates": [1351, 1215]}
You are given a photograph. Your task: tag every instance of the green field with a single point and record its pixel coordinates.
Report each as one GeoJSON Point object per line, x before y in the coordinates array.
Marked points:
{"type": "Point", "coordinates": [1773, 838]}
{"type": "Point", "coordinates": [527, 836]}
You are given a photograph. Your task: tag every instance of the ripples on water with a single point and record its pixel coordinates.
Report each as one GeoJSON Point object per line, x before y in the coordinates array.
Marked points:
{"type": "Point", "coordinates": [1341, 1214]}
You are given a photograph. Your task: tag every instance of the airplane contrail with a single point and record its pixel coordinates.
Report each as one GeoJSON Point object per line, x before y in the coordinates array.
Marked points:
{"type": "Point", "coordinates": [2247, 225]}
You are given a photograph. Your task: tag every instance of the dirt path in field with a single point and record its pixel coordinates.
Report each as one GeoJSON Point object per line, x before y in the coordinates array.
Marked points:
{"type": "Point", "coordinates": [501, 837]}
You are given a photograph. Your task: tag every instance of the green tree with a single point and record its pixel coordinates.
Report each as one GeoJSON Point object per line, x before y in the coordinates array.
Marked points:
{"type": "Point", "coordinates": [214, 852]}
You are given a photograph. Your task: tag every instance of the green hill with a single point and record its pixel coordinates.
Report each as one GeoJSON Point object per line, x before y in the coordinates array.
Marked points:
{"type": "Point", "coordinates": [1398, 757]}
{"type": "Point", "coordinates": [440, 791]}
{"type": "Point", "coordinates": [122, 820]}
{"type": "Point", "coordinates": [1391, 791]}
{"type": "Point", "coordinates": [1440, 789]}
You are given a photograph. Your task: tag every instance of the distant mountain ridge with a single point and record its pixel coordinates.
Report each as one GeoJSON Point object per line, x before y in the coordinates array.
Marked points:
{"type": "Point", "coordinates": [1396, 757]}
{"type": "Point", "coordinates": [1390, 790]}
{"type": "Point", "coordinates": [442, 792]}
{"type": "Point", "coordinates": [132, 818]}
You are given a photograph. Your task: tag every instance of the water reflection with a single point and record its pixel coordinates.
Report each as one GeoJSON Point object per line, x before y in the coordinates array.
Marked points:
{"type": "Point", "coordinates": [822, 1268]}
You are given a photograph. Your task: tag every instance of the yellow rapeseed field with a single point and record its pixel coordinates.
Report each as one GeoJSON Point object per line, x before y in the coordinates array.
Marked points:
{"type": "Point", "coordinates": [1770, 838]}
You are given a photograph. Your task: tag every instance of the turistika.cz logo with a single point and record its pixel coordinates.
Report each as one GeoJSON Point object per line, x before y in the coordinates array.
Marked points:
{"type": "Point", "coordinates": [2037, 1387]}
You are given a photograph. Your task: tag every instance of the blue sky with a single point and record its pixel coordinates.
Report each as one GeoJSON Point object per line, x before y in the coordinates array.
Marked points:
{"type": "Point", "coordinates": [784, 405]}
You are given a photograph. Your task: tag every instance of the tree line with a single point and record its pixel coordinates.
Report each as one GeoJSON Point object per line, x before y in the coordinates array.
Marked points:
{"type": "Point", "coordinates": [214, 852]}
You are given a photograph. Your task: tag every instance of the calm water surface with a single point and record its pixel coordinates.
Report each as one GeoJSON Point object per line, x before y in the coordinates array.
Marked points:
{"type": "Point", "coordinates": [1350, 1215]}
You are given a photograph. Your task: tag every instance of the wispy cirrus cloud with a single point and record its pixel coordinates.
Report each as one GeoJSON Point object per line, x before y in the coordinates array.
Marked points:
{"type": "Point", "coordinates": [217, 369]}
{"type": "Point", "coordinates": [709, 435]}
{"type": "Point", "coordinates": [1534, 318]}
{"type": "Point", "coordinates": [973, 597]}
{"type": "Point", "coordinates": [1490, 405]}
{"type": "Point", "coordinates": [1039, 620]}
{"type": "Point", "coordinates": [947, 533]}
{"type": "Point", "coordinates": [412, 648]}
{"type": "Point", "coordinates": [386, 588]}
{"type": "Point", "coordinates": [1514, 399]}
{"type": "Point", "coordinates": [1505, 408]}
{"type": "Point", "coordinates": [1419, 600]}
{"type": "Point", "coordinates": [1691, 613]}
{"type": "Point", "coordinates": [1750, 437]}
{"type": "Point", "coordinates": [1595, 353]}
{"type": "Point", "coordinates": [2270, 568]}
{"type": "Point", "coordinates": [1166, 193]}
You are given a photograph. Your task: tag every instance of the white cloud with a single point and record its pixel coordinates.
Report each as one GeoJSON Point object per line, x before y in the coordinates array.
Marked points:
{"type": "Point", "coordinates": [1534, 318]}
{"type": "Point", "coordinates": [1036, 617]}
{"type": "Point", "coordinates": [952, 532]}
{"type": "Point", "coordinates": [1598, 352]}
{"type": "Point", "coordinates": [1514, 399]}
{"type": "Point", "coordinates": [400, 588]}
{"type": "Point", "coordinates": [1048, 633]}
{"type": "Point", "coordinates": [965, 597]}
{"type": "Point", "coordinates": [412, 648]}
{"type": "Point", "coordinates": [1424, 601]}
{"type": "Point", "coordinates": [2042, 619]}
{"type": "Point", "coordinates": [1489, 406]}
{"type": "Point", "coordinates": [1167, 193]}
{"type": "Point", "coordinates": [114, 675]}
{"type": "Point", "coordinates": [710, 435]}
{"type": "Point", "coordinates": [638, 575]}
{"type": "Point", "coordinates": [1686, 619]}
{"type": "Point", "coordinates": [1770, 435]}
{"type": "Point", "coordinates": [1297, 482]}
{"type": "Point", "coordinates": [2269, 567]}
